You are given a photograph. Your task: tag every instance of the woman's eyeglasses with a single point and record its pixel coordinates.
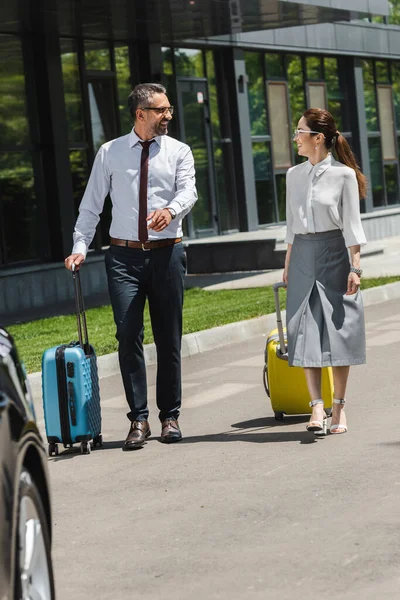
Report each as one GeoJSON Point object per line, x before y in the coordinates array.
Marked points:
{"type": "Point", "coordinates": [162, 110]}
{"type": "Point", "coordinates": [297, 132]}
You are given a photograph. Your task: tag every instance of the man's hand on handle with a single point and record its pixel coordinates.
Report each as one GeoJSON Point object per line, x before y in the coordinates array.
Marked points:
{"type": "Point", "coordinates": [76, 259]}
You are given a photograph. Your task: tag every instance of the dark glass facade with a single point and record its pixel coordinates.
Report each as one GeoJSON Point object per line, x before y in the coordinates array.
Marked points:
{"type": "Point", "coordinates": [63, 92]}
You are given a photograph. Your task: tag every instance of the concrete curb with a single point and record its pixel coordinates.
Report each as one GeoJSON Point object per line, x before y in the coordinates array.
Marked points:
{"type": "Point", "coordinates": [217, 337]}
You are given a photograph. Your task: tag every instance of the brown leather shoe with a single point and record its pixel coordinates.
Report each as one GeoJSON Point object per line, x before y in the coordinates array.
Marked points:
{"type": "Point", "coordinates": [170, 431]}
{"type": "Point", "coordinates": [139, 431]}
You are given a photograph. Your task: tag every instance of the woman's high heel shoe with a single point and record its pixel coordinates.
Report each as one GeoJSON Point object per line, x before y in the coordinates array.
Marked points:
{"type": "Point", "coordinates": [318, 427]}
{"type": "Point", "coordinates": [338, 428]}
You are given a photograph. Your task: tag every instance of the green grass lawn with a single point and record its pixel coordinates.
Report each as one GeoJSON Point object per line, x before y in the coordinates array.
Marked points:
{"type": "Point", "coordinates": [202, 310]}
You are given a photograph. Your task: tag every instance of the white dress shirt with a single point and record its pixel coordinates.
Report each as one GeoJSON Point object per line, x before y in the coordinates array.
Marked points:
{"type": "Point", "coordinates": [323, 197]}
{"type": "Point", "coordinates": [116, 170]}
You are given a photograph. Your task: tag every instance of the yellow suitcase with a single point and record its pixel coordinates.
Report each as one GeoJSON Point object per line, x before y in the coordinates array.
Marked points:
{"type": "Point", "coordinates": [286, 386]}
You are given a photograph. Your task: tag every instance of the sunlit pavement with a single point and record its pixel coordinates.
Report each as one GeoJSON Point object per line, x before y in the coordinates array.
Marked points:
{"type": "Point", "coordinates": [244, 506]}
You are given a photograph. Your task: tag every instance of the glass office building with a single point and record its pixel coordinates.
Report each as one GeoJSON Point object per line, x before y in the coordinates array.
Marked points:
{"type": "Point", "coordinates": [239, 72]}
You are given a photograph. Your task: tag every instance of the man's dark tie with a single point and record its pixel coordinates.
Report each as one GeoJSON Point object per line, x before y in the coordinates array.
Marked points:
{"type": "Point", "coordinates": [144, 169]}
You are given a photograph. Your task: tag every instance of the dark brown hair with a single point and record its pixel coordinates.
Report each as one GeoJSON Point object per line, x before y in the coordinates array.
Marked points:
{"type": "Point", "coordinates": [322, 121]}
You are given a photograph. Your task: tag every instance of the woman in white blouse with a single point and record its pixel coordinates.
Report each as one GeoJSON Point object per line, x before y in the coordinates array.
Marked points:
{"type": "Point", "coordinates": [325, 316]}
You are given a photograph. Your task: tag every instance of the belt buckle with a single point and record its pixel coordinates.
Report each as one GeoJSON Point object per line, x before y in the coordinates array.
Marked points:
{"type": "Point", "coordinates": [145, 249]}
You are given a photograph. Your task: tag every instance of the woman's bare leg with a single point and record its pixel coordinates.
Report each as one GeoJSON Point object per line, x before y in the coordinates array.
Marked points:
{"type": "Point", "coordinates": [340, 377]}
{"type": "Point", "coordinates": [313, 378]}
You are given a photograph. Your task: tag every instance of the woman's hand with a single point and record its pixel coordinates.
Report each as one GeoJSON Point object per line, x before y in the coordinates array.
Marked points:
{"type": "Point", "coordinates": [285, 276]}
{"type": "Point", "coordinates": [353, 283]}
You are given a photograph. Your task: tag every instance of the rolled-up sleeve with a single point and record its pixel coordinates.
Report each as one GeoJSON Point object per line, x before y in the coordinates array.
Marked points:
{"type": "Point", "coordinates": [289, 215]}
{"type": "Point", "coordinates": [353, 231]}
{"type": "Point", "coordinates": [92, 203]}
{"type": "Point", "coordinates": [185, 180]}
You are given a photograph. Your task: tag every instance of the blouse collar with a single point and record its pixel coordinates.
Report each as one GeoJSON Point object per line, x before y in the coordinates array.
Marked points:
{"type": "Point", "coordinates": [321, 166]}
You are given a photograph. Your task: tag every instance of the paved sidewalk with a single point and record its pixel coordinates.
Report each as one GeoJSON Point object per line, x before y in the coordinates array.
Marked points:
{"type": "Point", "coordinates": [244, 506]}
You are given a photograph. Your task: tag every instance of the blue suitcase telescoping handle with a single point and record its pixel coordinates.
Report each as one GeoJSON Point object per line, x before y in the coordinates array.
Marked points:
{"type": "Point", "coordinates": [276, 287]}
{"type": "Point", "coordinates": [80, 313]}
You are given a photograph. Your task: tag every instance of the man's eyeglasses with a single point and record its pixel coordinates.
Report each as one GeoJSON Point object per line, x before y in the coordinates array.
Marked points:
{"type": "Point", "coordinates": [297, 132]}
{"type": "Point", "coordinates": [162, 110]}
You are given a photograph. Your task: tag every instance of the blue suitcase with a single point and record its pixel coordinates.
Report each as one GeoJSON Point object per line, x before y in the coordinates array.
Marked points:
{"type": "Point", "coordinates": [70, 385]}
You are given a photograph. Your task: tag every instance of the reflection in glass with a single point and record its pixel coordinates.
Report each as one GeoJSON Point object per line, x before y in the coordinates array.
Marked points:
{"type": "Point", "coordinates": [72, 91]}
{"type": "Point", "coordinates": [392, 184]}
{"type": "Point", "coordinates": [395, 67]}
{"type": "Point", "coordinates": [382, 71]}
{"type": "Point", "coordinates": [20, 224]}
{"type": "Point", "coordinates": [296, 88]}
{"type": "Point", "coordinates": [97, 55]}
{"type": "Point", "coordinates": [188, 62]}
{"type": "Point", "coordinates": [376, 183]}
{"type": "Point", "coordinates": [101, 98]}
{"type": "Point", "coordinates": [195, 138]}
{"type": "Point", "coordinates": [256, 94]}
{"type": "Point", "coordinates": [281, 194]}
{"type": "Point", "coordinates": [226, 201]}
{"type": "Point", "coordinates": [394, 12]}
{"type": "Point", "coordinates": [79, 174]}
{"type": "Point", "coordinates": [124, 87]}
{"type": "Point", "coordinates": [264, 184]}
{"type": "Point", "coordinates": [335, 94]}
{"type": "Point", "coordinates": [370, 96]}
{"type": "Point", "coordinates": [168, 81]}
{"type": "Point", "coordinates": [274, 66]}
{"type": "Point", "coordinates": [313, 68]}
{"type": "Point", "coordinates": [14, 130]}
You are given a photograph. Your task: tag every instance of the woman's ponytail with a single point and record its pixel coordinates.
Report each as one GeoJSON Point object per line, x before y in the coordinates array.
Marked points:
{"type": "Point", "coordinates": [346, 156]}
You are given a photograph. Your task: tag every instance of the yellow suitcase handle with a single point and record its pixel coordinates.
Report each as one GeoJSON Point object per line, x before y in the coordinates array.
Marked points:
{"type": "Point", "coordinates": [276, 287]}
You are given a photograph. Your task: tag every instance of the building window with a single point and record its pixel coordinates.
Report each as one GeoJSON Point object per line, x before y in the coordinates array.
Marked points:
{"type": "Point", "coordinates": [97, 55]}
{"type": "Point", "coordinates": [386, 120]}
{"type": "Point", "coordinates": [264, 184]}
{"type": "Point", "coordinates": [124, 86]}
{"type": "Point", "coordinates": [280, 127]}
{"type": "Point", "coordinates": [189, 62]}
{"type": "Point", "coordinates": [382, 105]}
{"type": "Point", "coordinates": [21, 238]}
{"type": "Point", "coordinates": [72, 91]}
{"type": "Point", "coordinates": [316, 95]}
{"type": "Point", "coordinates": [256, 93]}
{"type": "Point", "coordinates": [335, 94]}
{"type": "Point", "coordinates": [261, 140]}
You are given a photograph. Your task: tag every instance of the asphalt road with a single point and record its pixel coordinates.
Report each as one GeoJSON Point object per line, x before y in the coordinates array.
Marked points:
{"type": "Point", "coordinates": [244, 506]}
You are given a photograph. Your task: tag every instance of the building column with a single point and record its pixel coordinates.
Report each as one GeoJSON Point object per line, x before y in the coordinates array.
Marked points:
{"type": "Point", "coordinates": [235, 71]}
{"type": "Point", "coordinates": [52, 128]}
{"type": "Point", "coordinates": [359, 120]}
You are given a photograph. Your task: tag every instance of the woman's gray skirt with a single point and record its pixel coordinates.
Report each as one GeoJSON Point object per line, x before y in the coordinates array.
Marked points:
{"type": "Point", "coordinates": [324, 326]}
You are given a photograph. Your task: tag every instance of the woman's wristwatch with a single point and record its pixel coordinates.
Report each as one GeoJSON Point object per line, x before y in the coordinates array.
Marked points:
{"type": "Point", "coordinates": [358, 272]}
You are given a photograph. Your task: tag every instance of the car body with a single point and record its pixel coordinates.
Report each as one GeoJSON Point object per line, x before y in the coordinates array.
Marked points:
{"type": "Point", "coordinates": [25, 507]}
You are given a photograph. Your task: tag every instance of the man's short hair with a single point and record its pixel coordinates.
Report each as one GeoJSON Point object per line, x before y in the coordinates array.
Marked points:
{"type": "Point", "coordinates": [142, 94]}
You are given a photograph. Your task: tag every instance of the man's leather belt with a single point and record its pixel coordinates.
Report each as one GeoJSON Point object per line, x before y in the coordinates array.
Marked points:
{"type": "Point", "coordinates": [147, 245]}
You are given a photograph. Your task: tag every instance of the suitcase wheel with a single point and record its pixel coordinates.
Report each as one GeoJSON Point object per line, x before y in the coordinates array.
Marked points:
{"type": "Point", "coordinates": [53, 449]}
{"type": "Point", "coordinates": [265, 380]}
{"type": "Point", "coordinates": [98, 441]}
{"type": "Point", "coordinates": [279, 416]}
{"type": "Point", "coordinates": [85, 448]}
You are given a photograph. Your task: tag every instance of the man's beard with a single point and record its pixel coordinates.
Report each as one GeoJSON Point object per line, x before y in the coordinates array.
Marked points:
{"type": "Point", "coordinates": [160, 129]}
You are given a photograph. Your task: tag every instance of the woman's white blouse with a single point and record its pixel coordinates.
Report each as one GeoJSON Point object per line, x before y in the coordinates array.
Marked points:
{"type": "Point", "coordinates": [323, 197]}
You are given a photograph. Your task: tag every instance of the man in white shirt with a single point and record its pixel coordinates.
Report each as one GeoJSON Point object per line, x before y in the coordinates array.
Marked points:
{"type": "Point", "coordinates": [151, 181]}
